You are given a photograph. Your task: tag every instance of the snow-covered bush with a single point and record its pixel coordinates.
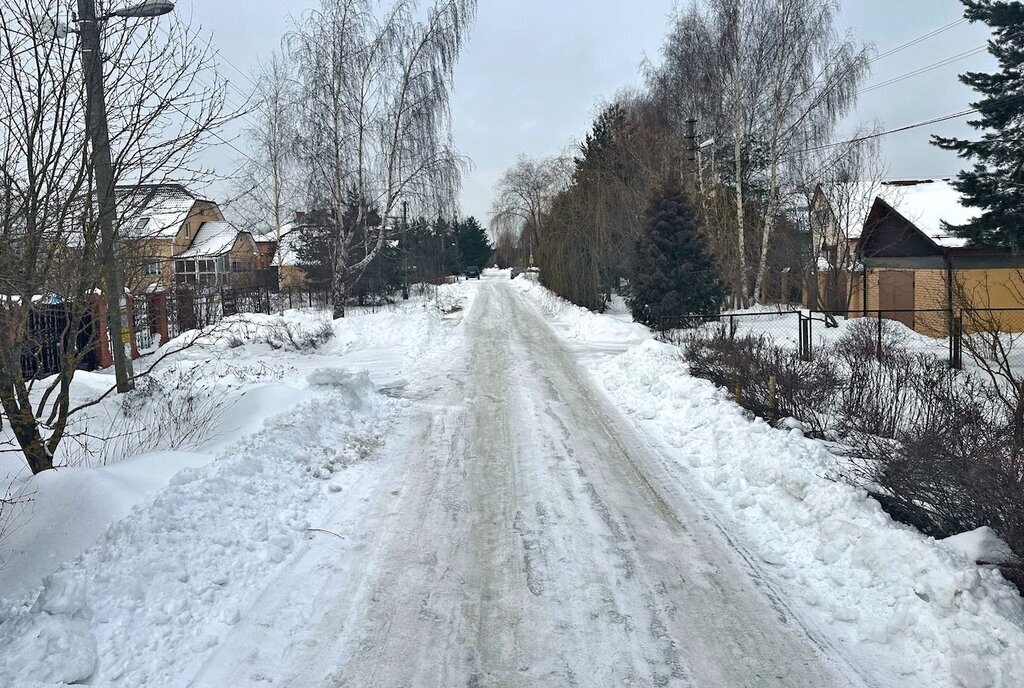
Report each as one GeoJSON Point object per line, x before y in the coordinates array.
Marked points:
{"type": "Point", "coordinates": [934, 446]}
{"type": "Point", "coordinates": [299, 335]}
{"type": "Point", "coordinates": [174, 409]}
{"type": "Point", "coordinates": [766, 379]}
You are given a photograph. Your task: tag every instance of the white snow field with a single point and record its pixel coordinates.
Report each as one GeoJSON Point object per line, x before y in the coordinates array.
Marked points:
{"type": "Point", "coordinates": [519, 493]}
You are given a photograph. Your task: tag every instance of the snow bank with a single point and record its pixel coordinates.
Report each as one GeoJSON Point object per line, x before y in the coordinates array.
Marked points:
{"type": "Point", "coordinates": [163, 583]}
{"type": "Point", "coordinates": [163, 553]}
{"type": "Point", "coordinates": [981, 545]}
{"type": "Point", "coordinates": [901, 603]}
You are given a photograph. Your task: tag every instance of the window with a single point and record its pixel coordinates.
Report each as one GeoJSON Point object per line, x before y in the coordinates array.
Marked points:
{"type": "Point", "coordinates": [241, 266]}
{"type": "Point", "coordinates": [202, 271]}
{"type": "Point", "coordinates": [141, 224]}
{"type": "Point", "coordinates": [153, 268]}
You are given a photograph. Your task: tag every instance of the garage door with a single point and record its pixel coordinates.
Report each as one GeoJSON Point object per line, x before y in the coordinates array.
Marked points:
{"type": "Point", "coordinates": [896, 295]}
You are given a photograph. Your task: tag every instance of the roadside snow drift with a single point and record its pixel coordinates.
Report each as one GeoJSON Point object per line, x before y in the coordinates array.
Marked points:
{"type": "Point", "coordinates": [128, 574]}
{"type": "Point", "coordinates": [900, 602]}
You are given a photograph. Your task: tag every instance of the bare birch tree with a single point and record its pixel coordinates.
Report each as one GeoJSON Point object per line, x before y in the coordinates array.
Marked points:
{"type": "Point", "coordinates": [376, 121]}
{"type": "Point", "coordinates": [770, 78]}
{"type": "Point", "coordinates": [269, 181]}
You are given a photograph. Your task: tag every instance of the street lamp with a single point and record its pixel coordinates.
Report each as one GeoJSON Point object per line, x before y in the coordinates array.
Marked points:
{"type": "Point", "coordinates": [144, 10]}
{"type": "Point", "coordinates": [99, 135]}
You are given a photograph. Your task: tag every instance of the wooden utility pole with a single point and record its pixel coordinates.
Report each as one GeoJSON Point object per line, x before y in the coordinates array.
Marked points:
{"type": "Point", "coordinates": [99, 135]}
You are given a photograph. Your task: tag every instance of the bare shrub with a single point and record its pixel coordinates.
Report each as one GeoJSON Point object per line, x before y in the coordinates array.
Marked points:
{"type": "Point", "coordinates": [936, 447]}
{"type": "Point", "coordinates": [175, 410]}
{"type": "Point", "coordinates": [766, 379]}
{"type": "Point", "coordinates": [863, 337]}
{"type": "Point", "coordinates": [13, 503]}
{"type": "Point", "coordinates": [298, 336]}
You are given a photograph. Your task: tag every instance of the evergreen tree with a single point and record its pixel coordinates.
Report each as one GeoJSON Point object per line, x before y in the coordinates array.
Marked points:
{"type": "Point", "coordinates": [996, 183]}
{"type": "Point", "coordinates": [676, 275]}
{"type": "Point", "coordinates": [475, 248]}
{"type": "Point", "coordinates": [319, 236]}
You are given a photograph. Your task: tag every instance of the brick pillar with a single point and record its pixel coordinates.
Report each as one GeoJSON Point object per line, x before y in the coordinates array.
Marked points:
{"type": "Point", "coordinates": [99, 313]}
{"type": "Point", "coordinates": [129, 326]}
{"type": "Point", "coordinates": [158, 316]}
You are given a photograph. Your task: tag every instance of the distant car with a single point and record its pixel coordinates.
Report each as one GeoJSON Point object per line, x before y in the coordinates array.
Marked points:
{"type": "Point", "coordinates": [473, 271]}
{"type": "Point", "coordinates": [516, 272]}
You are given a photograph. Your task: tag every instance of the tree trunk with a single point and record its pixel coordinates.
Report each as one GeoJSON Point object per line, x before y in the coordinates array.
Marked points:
{"type": "Point", "coordinates": [339, 280]}
{"type": "Point", "coordinates": [741, 228]}
{"type": "Point", "coordinates": [26, 430]}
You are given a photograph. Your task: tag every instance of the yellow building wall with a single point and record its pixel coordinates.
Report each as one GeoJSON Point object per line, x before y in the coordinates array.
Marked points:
{"type": "Point", "coordinates": [292, 277]}
{"type": "Point", "coordinates": [931, 298]}
{"type": "Point", "coordinates": [202, 211]}
{"type": "Point", "coordinates": [1001, 289]}
{"type": "Point", "coordinates": [243, 252]}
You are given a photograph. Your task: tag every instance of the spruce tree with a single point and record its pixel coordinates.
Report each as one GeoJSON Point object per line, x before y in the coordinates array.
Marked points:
{"type": "Point", "coordinates": [675, 274]}
{"type": "Point", "coordinates": [474, 247]}
{"type": "Point", "coordinates": [995, 185]}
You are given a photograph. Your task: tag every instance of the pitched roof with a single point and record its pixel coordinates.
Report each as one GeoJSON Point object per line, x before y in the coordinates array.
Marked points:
{"type": "Point", "coordinates": [212, 239]}
{"type": "Point", "coordinates": [928, 204]}
{"type": "Point", "coordinates": [925, 203]}
{"type": "Point", "coordinates": [153, 210]}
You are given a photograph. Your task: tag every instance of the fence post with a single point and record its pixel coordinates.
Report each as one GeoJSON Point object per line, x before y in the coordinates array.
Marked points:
{"type": "Point", "coordinates": [805, 352]}
{"type": "Point", "coordinates": [956, 352]}
{"type": "Point", "coordinates": [158, 316]}
{"type": "Point", "coordinates": [878, 346]}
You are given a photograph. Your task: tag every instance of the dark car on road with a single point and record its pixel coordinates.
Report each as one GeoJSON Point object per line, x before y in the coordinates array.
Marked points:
{"type": "Point", "coordinates": [473, 272]}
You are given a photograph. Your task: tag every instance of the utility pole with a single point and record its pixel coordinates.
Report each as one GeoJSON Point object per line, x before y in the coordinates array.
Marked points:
{"type": "Point", "coordinates": [405, 250]}
{"type": "Point", "coordinates": [96, 123]}
{"type": "Point", "coordinates": [691, 148]}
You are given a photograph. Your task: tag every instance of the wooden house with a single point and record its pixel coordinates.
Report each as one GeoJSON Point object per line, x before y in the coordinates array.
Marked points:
{"type": "Point", "coordinates": [917, 272]}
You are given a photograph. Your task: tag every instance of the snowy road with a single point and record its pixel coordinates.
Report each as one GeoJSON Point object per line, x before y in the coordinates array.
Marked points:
{"type": "Point", "coordinates": [518, 532]}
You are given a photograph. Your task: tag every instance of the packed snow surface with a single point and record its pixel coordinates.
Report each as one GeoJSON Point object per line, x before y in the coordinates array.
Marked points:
{"type": "Point", "coordinates": [912, 611]}
{"type": "Point", "coordinates": [483, 487]}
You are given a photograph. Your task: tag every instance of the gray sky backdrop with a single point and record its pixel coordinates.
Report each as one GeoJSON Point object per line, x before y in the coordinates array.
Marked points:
{"type": "Point", "coordinates": [536, 71]}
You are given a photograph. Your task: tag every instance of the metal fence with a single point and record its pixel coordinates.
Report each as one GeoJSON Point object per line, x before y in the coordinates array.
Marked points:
{"type": "Point", "coordinates": [306, 297]}
{"type": "Point", "coordinates": [187, 309]}
{"type": "Point", "coordinates": [780, 325]}
{"type": "Point", "coordinates": [987, 337]}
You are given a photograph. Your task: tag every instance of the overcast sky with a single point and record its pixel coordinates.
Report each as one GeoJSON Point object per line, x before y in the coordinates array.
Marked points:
{"type": "Point", "coordinates": [536, 71]}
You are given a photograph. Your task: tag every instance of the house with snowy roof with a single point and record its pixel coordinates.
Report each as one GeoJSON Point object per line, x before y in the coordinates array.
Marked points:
{"type": "Point", "coordinates": [174, 237]}
{"type": "Point", "coordinates": [918, 272]}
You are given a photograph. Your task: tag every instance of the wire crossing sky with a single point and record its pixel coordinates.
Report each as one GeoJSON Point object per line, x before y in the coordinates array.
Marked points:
{"type": "Point", "coordinates": [536, 72]}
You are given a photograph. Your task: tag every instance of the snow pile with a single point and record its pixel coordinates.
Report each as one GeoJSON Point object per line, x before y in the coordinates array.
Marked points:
{"type": "Point", "coordinates": [146, 563]}
{"type": "Point", "coordinates": [981, 545]}
{"type": "Point", "coordinates": [165, 582]}
{"type": "Point", "coordinates": [902, 603]}
{"type": "Point", "coordinates": [578, 325]}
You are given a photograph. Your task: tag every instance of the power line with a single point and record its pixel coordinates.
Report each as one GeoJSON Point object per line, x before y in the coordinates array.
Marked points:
{"type": "Point", "coordinates": [868, 137]}
{"type": "Point", "coordinates": [922, 70]}
{"type": "Point", "coordinates": [919, 39]}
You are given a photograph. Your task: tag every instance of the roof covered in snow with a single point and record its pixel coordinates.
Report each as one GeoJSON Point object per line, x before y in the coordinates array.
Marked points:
{"type": "Point", "coordinates": [154, 210]}
{"type": "Point", "coordinates": [212, 239]}
{"type": "Point", "coordinates": [926, 203]}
